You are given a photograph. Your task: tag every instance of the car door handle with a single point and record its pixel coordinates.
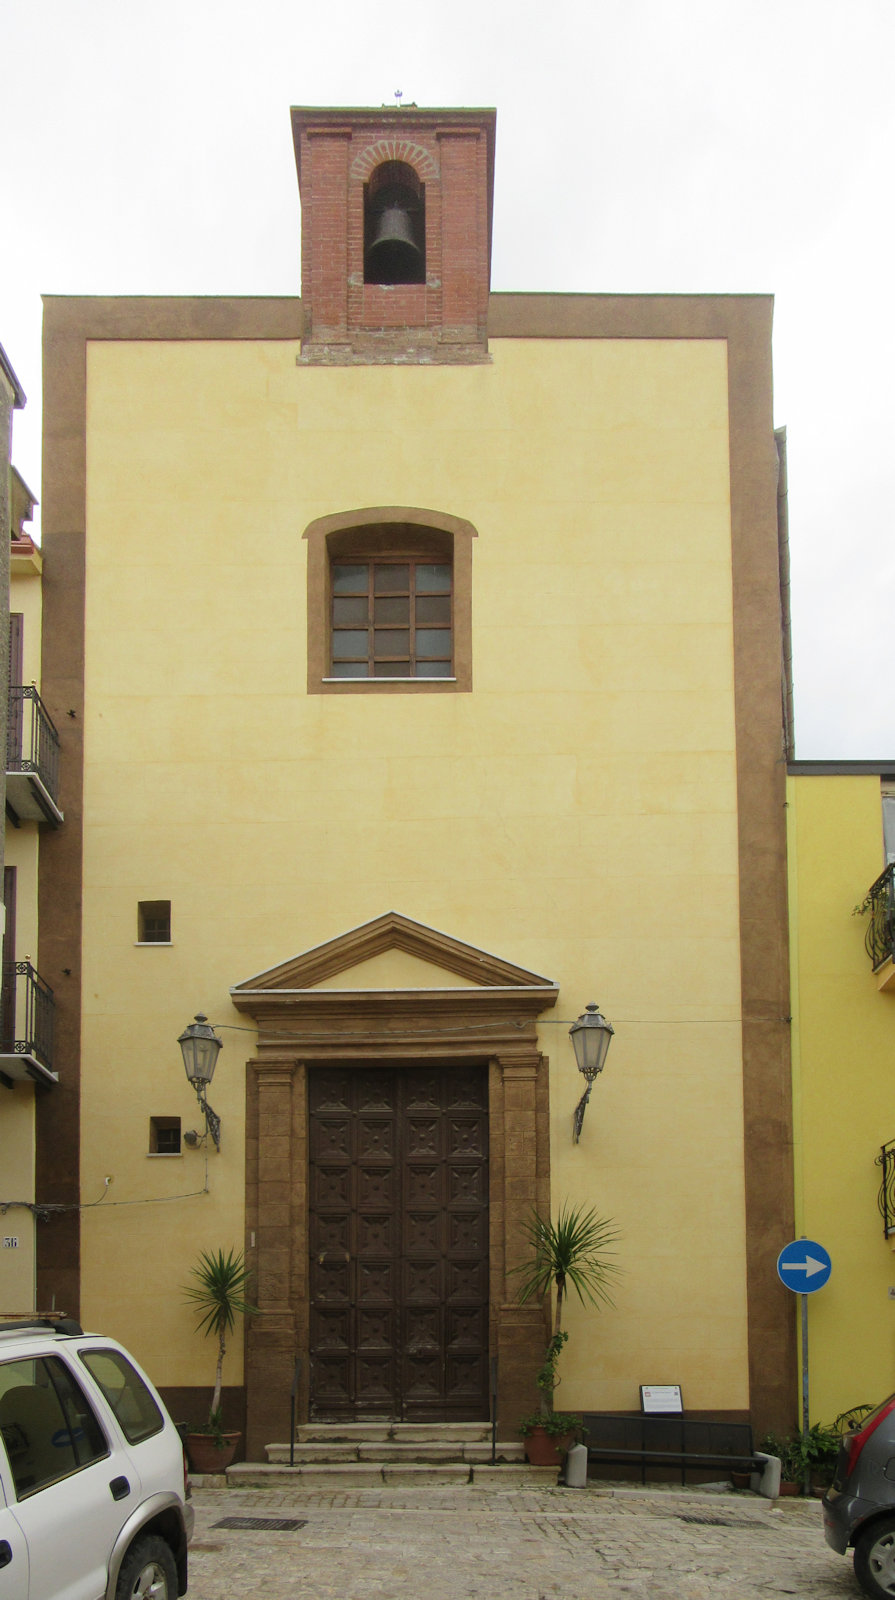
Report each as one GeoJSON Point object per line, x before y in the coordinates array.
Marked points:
{"type": "Point", "coordinates": [120, 1488]}
{"type": "Point", "coordinates": [5, 1553]}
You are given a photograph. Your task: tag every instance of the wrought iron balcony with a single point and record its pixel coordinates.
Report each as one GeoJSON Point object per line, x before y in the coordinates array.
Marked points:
{"type": "Point", "coordinates": [26, 1024]}
{"type": "Point", "coordinates": [879, 904]}
{"type": "Point", "coordinates": [886, 1196]}
{"type": "Point", "coordinates": [32, 758]}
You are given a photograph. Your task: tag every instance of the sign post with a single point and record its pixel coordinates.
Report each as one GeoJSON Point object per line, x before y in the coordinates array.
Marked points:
{"type": "Point", "coordinates": [804, 1267]}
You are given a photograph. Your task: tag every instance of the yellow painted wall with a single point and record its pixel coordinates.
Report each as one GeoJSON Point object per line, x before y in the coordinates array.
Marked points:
{"type": "Point", "coordinates": [21, 846]}
{"type": "Point", "coordinates": [25, 596]}
{"type": "Point", "coordinates": [843, 1044]}
{"type": "Point", "coordinates": [17, 1184]}
{"type": "Point", "coordinates": [576, 813]}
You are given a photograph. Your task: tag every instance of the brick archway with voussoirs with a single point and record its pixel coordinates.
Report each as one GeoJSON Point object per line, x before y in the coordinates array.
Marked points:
{"type": "Point", "coordinates": [492, 1024]}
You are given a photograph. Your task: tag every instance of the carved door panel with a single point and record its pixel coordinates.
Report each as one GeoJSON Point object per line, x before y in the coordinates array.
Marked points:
{"type": "Point", "coordinates": [398, 1208]}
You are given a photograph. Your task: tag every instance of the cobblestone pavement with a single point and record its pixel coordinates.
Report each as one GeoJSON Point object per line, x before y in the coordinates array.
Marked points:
{"type": "Point", "coordinates": [528, 1544]}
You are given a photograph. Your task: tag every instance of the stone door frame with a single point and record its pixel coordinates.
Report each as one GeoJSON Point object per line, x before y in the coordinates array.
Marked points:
{"type": "Point", "coordinates": [299, 1028]}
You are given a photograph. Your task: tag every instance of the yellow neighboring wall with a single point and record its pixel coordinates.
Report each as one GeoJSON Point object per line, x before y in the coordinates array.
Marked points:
{"type": "Point", "coordinates": [843, 1067]}
{"type": "Point", "coordinates": [17, 1224]}
{"type": "Point", "coordinates": [17, 1121]}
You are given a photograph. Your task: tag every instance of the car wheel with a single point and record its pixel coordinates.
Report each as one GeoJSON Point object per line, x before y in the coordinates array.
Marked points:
{"type": "Point", "coordinates": [875, 1559]}
{"type": "Point", "coordinates": [148, 1572]}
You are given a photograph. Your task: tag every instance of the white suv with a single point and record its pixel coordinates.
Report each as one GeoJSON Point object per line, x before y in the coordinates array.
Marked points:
{"type": "Point", "coordinates": [92, 1477]}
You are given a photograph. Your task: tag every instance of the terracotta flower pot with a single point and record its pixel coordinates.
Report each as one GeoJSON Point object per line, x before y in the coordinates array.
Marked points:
{"type": "Point", "coordinates": [207, 1456]}
{"type": "Point", "coordinates": [790, 1488]}
{"type": "Point", "coordinates": [543, 1449]}
{"type": "Point", "coordinates": [740, 1480]}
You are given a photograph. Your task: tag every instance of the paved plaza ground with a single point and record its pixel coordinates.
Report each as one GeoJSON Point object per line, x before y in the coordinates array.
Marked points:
{"type": "Point", "coordinates": [518, 1544]}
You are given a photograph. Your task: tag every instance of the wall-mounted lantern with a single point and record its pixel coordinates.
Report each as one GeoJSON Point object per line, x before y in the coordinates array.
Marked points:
{"type": "Point", "coordinates": [590, 1036]}
{"type": "Point", "coordinates": [201, 1047]}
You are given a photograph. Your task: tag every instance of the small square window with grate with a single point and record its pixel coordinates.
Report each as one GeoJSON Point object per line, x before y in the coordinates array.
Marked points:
{"type": "Point", "coordinates": [164, 1136]}
{"type": "Point", "coordinates": [154, 922]}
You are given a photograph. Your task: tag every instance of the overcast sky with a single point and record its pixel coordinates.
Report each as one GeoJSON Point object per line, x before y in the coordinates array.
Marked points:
{"type": "Point", "coordinates": [705, 145]}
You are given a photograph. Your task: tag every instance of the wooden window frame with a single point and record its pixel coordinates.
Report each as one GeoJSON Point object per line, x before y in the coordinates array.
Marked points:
{"type": "Point", "coordinates": [376, 590]}
{"type": "Point", "coordinates": [389, 531]}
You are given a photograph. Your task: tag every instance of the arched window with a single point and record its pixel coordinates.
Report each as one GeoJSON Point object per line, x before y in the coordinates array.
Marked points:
{"type": "Point", "coordinates": [389, 601]}
{"type": "Point", "coordinates": [394, 225]}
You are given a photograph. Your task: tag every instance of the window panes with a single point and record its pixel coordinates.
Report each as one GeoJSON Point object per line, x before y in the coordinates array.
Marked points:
{"type": "Point", "coordinates": [393, 641]}
{"type": "Point", "coordinates": [351, 609]}
{"type": "Point", "coordinates": [350, 580]}
{"type": "Point", "coordinates": [393, 609]}
{"type": "Point", "coordinates": [350, 645]}
{"type": "Point", "coordinates": [87, 1436]}
{"type": "Point", "coordinates": [393, 669]}
{"type": "Point", "coordinates": [135, 1410]}
{"type": "Point", "coordinates": [391, 619]}
{"type": "Point", "coordinates": [433, 608]}
{"type": "Point", "coordinates": [433, 579]}
{"type": "Point", "coordinates": [153, 922]}
{"type": "Point", "coordinates": [164, 1136]}
{"type": "Point", "coordinates": [432, 641]}
{"type": "Point", "coordinates": [889, 827]}
{"type": "Point", "coordinates": [390, 578]}
{"type": "Point", "coordinates": [49, 1429]}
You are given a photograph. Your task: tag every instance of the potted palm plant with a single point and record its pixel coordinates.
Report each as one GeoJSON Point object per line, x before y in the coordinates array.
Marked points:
{"type": "Point", "coordinates": [574, 1252]}
{"type": "Point", "coordinates": [792, 1459]}
{"type": "Point", "coordinates": [219, 1294]}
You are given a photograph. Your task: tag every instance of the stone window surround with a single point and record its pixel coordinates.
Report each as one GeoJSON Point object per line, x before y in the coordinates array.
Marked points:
{"type": "Point", "coordinates": [318, 535]}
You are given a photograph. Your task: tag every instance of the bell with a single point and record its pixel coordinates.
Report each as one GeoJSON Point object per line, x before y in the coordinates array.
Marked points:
{"type": "Point", "coordinates": [394, 255]}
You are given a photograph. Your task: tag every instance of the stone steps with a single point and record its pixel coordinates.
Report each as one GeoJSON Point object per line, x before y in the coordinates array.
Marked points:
{"type": "Point", "coordinates": [379, 1432]}
{"type": "Point", "coordinates": [337, 1455]}
{"type": "Point", "coordinates": [433, 1451]}
{"type": "Point", "coordinates": [333, 1476]}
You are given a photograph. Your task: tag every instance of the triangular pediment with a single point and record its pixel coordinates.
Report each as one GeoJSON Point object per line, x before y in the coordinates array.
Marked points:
{"type": "Point", "coordinates": [392, 952]}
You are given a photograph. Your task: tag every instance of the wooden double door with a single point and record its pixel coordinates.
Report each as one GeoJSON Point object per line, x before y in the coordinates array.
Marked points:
{"type": "Point", "coordinates": [398, 1243]}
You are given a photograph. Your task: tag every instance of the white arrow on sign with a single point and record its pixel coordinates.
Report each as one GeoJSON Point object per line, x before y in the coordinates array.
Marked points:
{"type": "Point", "coordinates": [809, 1266]}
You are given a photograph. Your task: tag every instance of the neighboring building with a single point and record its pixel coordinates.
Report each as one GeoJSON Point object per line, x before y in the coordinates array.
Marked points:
{"type": "Point", "coordinates": [12, 399]}
{"type": "Point", "coordinates": [30, 774]}
{"type": "Point", "coordinates": [841, 836]}
{"type": "Point", "coordinates": [426, 648]}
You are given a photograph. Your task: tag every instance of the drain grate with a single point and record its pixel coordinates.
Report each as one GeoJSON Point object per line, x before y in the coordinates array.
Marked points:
{"type": "Point", "coordinates": [714, 1522]}
{"type": "Point", "coordinates": [263, 1524]}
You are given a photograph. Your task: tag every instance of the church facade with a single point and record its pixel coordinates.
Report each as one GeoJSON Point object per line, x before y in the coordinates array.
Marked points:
{"type": "Point", "coordinates": [417, 652]}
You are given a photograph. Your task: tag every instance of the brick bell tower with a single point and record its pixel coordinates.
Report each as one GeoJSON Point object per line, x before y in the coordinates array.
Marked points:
{"type": "Point", "coordinates": [396, 208]}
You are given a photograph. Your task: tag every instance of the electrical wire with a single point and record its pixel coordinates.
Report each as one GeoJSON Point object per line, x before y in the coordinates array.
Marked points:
{"type": "Point", "coordinates": [53, 1207]}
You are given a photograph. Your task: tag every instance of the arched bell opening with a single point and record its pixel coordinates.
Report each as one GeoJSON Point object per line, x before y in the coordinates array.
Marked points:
{"type": "Point", "coordinates": [394, 225]}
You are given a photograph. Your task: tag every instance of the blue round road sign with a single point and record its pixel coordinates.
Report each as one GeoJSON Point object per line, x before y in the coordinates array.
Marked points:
{"type": "Point", "coordinates": [804, 1266]}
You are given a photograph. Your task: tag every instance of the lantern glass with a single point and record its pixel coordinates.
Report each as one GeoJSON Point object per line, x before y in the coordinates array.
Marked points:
{"type": "Point", "coordinates": [590, 1036]}
{"type": "Point", "coordinates": [200, 1046]}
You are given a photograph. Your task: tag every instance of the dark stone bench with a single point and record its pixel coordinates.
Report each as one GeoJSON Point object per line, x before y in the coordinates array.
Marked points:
{"type": "Point", "coordinates": [637, 1439]}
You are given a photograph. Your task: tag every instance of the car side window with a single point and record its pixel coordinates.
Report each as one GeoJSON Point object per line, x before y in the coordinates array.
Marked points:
{"type": "Point", "coordinates": [135, 1410]}
{"type": "Point", "coordinates": [48, 1426]}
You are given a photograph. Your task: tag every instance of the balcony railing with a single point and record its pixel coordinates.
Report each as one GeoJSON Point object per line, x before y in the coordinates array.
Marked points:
{"type": "Point", "coordinates": [886, 1197]}
{"type": "Point", "coordinates": [32, 756]}
{"type": "Point", "coordinates": [27, 1013]}
{"type": "Point", "coordinates": [879, 905]}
